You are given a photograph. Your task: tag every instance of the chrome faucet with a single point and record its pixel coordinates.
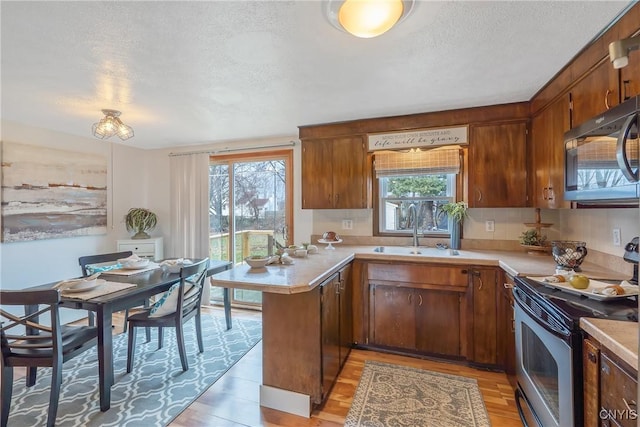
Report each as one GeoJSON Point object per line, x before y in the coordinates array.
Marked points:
{"type": "Point", "coordinates": [412, 208]}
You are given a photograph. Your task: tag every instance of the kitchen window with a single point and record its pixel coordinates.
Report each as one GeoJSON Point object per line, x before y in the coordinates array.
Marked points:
{"type": "Point", "coordinates": [427, 179]}
{"type": "Point", "coordinates": [250, 207]}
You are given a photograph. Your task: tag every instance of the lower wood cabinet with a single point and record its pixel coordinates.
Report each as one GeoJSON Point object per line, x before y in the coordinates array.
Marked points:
{"type": "Point", "coordinates": [506, 328]}
{"type": "Point", "coordinates": [307, 340]}
{"type": "Point", "coordinates": [446, 311]}
{"type": "Point", "coordinates": [610, 388]}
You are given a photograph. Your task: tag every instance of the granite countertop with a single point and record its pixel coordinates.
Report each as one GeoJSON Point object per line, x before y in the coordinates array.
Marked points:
{"type": "Point", "coordinates": [618, 336]}
{"type": "Point", "coordinates": [307, 273]}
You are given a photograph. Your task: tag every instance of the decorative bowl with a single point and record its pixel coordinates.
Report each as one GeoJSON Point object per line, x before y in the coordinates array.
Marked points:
{"type": "Point", "coordinates": [257, 261]}
{"type": "Point", "coordinates": [174, 265]}
{"type": "Point", "coordinates": [568, 254]}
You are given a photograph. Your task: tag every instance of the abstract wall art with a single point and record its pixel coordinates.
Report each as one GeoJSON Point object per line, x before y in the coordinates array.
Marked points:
{"type": "Point", "coordinates": [51, 193]}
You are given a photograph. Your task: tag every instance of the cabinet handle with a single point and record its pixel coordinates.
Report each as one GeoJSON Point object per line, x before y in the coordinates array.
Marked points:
{"type": "Point", "coordinates": [409, 299]}
{"type": "Point", "coordinates": [545, 193]}
{"type": "Point", "coordinates": [550, 194]}
{"type": "Point", "coordinates": [606, 99]}
{"type": "Point", "coordinates": [337, 198]}
{"type": "Point", "coordinates": [626, 86]}
{"type": "Point", "coordinates": [508, 286]}
{"type": "Point", "coordinates": [592, 357]}
{"type": "Point", "coordinates": [479, 194]}
{"type": "Point", "coordinates": [420, 304]}
{"type": "Point", "coordinates": [329, 199]}
{"type": "Point", "coordinates": [481, 284]}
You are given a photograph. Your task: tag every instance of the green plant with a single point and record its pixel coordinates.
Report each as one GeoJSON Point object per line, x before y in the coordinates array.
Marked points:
{"type": "Point", "coordinates": [532, 237]}
{"type": "Point", "coordinates": [140, 220]}
{"type": "Point", "coordinates": [456, 211]}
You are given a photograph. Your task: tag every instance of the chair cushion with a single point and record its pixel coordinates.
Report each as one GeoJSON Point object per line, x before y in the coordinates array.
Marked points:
{"type": "Point", "coordinates": [168, 303]}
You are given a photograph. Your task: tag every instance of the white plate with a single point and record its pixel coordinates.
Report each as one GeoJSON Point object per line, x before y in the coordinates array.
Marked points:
{"type": "Point", "coordinates": [85, 286]}
{"type": "Point", "coordinates": [594, 285]}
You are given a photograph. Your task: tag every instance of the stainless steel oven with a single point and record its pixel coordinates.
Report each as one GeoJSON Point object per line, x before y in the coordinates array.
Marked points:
{"type": "Point", "coordinates": [549, 350]}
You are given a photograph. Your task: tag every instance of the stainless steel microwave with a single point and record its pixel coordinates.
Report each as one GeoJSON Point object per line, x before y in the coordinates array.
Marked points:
{"type": "Point", "coordinates": [601, 157]}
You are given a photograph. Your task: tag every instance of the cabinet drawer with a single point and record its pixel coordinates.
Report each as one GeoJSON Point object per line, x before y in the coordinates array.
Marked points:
{"type": "Point", "coordinates": [419, 274]}
{"type": "Point", "coordinates": [141, 249]}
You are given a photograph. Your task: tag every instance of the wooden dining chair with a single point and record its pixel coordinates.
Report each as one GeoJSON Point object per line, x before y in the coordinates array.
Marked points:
{"type": "Point", "coordinates": [178, 305]}
{"type": "Point", "coordinates": [88, 260]}
{"type": "Point", "coordinates": [26, 342]}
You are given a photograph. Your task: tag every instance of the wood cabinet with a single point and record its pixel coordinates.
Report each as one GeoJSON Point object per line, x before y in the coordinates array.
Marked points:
{"type": "Point", "coordinates": [630, 78]}
{"type": "Point", "coordinates": [547, 155]}
{"type": "Point", "coordinates": [306, 344]}
{"type": "Point", "coordinates": [441, 310]}
{"type": "Point", "coordinates": [596, 92]}
{"type": "Point", "coordinates": [610, 388]}
{"type": "Point", "coordinates": [334, 173]}
{"type": "Point", "coordinates": [498, 165]}
{"type": "Point", "coordinates": [410, 305]}
{"type": "Point", "coordinates": [482, 326]}
{"type": "Point", "coordinates": [506, 328]}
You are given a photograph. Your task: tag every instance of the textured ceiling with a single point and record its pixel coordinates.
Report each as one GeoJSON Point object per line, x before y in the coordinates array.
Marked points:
{"type": "Point", "coordinates": [188, 73]}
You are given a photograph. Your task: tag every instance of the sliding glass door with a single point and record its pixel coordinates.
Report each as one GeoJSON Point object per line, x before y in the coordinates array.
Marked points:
{"type": "Point", "coordinates": [250, 205]}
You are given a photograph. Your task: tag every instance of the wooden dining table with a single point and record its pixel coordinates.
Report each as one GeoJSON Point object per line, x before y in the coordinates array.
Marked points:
{"type": "Point", "coordinates": [147, 284]}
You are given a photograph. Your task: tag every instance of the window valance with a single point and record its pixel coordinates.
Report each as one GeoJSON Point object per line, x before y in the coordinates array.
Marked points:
{"type": "Point", "coordinates": [434, 161]}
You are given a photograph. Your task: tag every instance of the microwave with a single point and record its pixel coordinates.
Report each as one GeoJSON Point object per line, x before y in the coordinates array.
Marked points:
{"type": "Point", "coordinates": [601, 157]}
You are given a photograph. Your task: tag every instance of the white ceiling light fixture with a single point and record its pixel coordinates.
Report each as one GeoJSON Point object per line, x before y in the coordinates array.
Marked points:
{"type": "Point", "coordinates": [619, 51]}
{"type": "Point", "coordinates": [111, 125]}
{"type": "Point", "coordinates": [367, 18]}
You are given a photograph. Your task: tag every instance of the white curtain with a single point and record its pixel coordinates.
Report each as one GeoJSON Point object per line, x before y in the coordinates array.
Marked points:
{"type": "Point", "coordinates": [189, 212]}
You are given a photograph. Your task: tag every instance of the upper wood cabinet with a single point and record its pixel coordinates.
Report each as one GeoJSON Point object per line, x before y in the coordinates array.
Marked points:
{"type": "Point", "coordinates": [334, 173]}
{"type": "Point", "coordinates": [547, 155]}
{"type": "Point", "coordinates": [595, 93]}
{"type": "Point", "coordinates": [630, 78]}
{"type": "Point", "coordinates": [498, 165]}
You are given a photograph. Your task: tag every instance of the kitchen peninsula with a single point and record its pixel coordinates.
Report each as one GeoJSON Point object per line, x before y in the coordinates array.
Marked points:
{"type": "Point", "coordinates": [315, 309]}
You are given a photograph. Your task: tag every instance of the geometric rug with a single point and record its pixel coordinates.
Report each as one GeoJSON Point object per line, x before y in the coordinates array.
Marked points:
{"type": "Point", "coordinates": [392, 395]}
{"type": "Point", "coordinates": [153, 394]}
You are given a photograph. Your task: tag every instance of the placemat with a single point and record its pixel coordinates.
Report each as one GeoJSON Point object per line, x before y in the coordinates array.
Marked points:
{"type": "Point", "coordinates": [107, 288]}
{"type": "Point", "coordinates": [126, 272]}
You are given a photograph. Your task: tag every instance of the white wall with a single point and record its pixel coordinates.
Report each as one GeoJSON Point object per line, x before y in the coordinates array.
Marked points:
{"type": "Point", "coordinates": [31, 263]}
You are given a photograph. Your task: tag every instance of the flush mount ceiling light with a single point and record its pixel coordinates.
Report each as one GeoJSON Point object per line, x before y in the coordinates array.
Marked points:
{"type": "Point", "coordinates": [111, 125]}
{"type": "Point", "coordinates": [367, 18]}
{"type": "Point", "coordinates": [619, 51]}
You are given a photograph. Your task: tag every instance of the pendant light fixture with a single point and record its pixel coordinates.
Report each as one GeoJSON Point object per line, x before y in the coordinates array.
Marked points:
{"type": "Point", "coordinates": [111, 125]}
{"type": "Point", "coordinates": [367, 18]}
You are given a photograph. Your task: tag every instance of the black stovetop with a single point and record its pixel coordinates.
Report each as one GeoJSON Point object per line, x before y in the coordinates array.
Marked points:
{"type": "Point", "coordinates": [574, 307]}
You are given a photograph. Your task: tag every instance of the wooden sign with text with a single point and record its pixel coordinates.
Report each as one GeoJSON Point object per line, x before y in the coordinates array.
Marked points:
{"type": "Point", "coordinates": [419, 138]}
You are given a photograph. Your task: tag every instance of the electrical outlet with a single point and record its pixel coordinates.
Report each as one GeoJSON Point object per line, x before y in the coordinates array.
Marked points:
{"type": "Point", "coordinates": [490, 226]}
{"type": "Point", "coordinates": [347, 224]}
{"type": "Point", "coordinates": [616, 237]}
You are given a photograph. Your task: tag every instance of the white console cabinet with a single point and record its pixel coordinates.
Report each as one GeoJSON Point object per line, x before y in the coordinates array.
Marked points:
{"type": "Point", "coordinates": [146, 248]}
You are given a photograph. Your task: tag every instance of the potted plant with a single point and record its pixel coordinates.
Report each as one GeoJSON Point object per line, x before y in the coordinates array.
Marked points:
{"type": "Point", "coordinates": [456, 212]}
{"type": "Point", "coordinates": [534, 241]}
{"type": "Point", "coordinates": [140, 220]}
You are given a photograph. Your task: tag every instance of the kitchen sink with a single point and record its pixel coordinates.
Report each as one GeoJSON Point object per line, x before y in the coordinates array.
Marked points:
{"type": "Point", "coordinates": [412, 250]}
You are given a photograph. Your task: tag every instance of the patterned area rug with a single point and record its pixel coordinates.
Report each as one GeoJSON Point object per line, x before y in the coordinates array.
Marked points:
{"type": "Point", "coordinates": [392, 395]}
{"type": "Point", "coordinates": [156, 391]}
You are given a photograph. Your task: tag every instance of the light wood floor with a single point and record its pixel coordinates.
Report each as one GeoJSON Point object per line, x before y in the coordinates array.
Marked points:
{"type": "Point", "coordinates": [234, 399]}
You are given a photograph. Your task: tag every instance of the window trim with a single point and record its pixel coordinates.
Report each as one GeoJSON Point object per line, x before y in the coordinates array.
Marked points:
{"type": "Point", "coordinates": [287, 155]}
{"type": "Point", "coordinates": [375, 190]}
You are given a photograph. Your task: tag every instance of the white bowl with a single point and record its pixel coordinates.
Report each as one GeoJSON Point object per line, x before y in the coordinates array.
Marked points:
{"type": "Point", "coordinates": [133, 264]}
{"type": "Point", "coordinates": [257, 261]}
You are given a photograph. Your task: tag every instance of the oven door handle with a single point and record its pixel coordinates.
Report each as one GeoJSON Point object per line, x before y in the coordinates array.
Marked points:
{"type": "Point", "coordinates": [519, 395]}
{"type": "Point", "coordinates": [556, 329]}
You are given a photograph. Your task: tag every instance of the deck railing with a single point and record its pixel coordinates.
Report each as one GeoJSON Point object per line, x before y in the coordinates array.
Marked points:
{"type": "Point", "coordinates": [248, 242]}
